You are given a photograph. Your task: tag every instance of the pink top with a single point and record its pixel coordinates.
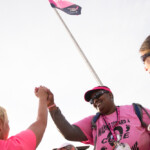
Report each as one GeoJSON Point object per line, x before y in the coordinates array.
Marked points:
{"type": "Point", "coordinates": [25, 140]}
{"type": "Point", "coordinates": [129, 129]}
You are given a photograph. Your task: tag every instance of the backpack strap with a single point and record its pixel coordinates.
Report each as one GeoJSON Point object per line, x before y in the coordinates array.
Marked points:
{"type": "Point", "coordinates": [95, 118]}
{"type": "Point", "coordinates": [94, 127]}
{"type": "Point", "coordinates": [138, 110]}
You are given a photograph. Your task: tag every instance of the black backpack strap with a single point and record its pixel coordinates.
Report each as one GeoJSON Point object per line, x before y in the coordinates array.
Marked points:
{"type": "Point", "coordinates": [138, 110]}
{"type": "Point", "coordinates": [95, 118]}
{"type": "Point", "coordinates": [95, 141]}
{"type": "Point", "coordinates": [94, 127]}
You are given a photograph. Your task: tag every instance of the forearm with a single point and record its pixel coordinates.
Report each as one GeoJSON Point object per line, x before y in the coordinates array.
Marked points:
{"type": "Point", "coordinates": [70, 132]}
{"type": "Point", "coordinates": [39, 126]}
{"type": "Point", "coordinates": [42, 112]}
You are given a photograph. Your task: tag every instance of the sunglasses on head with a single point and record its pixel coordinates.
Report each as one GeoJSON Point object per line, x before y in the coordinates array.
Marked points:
{"type": "Point", "coordinates": [97, 95]}
{"type": "Point", "coordinates": [143, 57]}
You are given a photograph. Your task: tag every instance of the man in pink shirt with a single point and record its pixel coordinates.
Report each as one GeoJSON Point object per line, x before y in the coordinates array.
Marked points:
{"type": "Point", "coordinates": [30, 138]}
{"type": "Point", "coordinates": [117, 127]}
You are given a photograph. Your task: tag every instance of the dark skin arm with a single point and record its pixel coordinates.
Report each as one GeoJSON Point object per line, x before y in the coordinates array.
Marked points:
{"type": "Point", "coordinates": [70, 132]}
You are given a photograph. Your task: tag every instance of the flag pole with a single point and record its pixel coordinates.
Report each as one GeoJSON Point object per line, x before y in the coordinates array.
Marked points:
{"type": "Point", "coordinates": [80, 50]}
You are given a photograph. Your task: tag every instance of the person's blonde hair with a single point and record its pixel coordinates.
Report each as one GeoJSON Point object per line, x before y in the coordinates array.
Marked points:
{"type": "Point", "coordinates": [3, 114]}
{"type": "Point", "coordinates": [145, 45]}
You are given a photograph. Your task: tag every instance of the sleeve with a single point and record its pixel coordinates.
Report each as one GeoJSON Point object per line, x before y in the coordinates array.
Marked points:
{"type": "Point", "coordinates": [86, 127]}
{"type": "Point", "coordinates": [25, 140]}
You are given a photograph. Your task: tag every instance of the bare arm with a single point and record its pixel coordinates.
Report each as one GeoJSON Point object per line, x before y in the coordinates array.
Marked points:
{"type": "Point", "coordinates": [38, 127]}
{"type": "Point", "coordinates": [70, 132]}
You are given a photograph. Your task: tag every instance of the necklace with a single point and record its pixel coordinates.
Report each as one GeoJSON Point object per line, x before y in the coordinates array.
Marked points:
{"type": "Point", "coordinates": [111, 128]}
{"type": "Point", "coordinates": [117, 145]}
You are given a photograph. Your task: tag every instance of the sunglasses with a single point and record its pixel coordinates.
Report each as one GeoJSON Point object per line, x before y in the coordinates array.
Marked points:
{"type": "Point", "coordinates": [97, 95]}
{"type": "Point", "coordinates": [143, 57]}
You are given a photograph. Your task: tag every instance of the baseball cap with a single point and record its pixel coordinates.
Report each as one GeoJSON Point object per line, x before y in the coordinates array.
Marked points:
{"type": "Point", "coordinates": [87, 95]}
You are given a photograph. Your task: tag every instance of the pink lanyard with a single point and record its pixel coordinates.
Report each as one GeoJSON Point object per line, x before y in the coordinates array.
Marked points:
{"type": "Point", "coordinates": [110, 127]}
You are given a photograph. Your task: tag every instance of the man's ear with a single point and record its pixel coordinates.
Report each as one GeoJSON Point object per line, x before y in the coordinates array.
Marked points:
{"type": "Point", "coordinates": [110, 94]}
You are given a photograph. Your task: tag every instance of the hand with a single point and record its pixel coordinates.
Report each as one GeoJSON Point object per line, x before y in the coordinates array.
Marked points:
{"type": "Point", "coordinates": [50, 98]}
{"type": "Point", "coordinates": [41, 92]}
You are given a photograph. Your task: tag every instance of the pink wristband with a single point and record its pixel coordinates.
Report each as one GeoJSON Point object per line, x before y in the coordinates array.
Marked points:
{"type": "Point", "coordinates": [51, 106]}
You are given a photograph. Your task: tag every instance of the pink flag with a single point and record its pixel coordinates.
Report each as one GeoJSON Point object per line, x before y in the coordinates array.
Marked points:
{"type": "Point", "coordinates": [67, 7]}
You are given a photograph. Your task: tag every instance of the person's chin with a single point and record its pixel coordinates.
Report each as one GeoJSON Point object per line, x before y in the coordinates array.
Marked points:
{"type": "Point", "coordinates": [101, 109]}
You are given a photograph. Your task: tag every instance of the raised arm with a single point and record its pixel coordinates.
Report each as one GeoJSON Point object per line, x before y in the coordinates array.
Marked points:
{"type": "Point", "coordinates": [70, 132]}
{"type": "Point", "coordinates": [38, 127]}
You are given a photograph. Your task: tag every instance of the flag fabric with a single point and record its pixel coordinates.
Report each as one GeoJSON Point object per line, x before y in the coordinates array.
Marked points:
{"type": "Point", "coordinates": [66, 6]}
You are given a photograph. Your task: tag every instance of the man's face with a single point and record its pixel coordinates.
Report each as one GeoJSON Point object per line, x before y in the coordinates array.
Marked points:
{"type": "Point", "coordinates": [146, 61]}
{"type": "Point", "coordinates": [103, 103]}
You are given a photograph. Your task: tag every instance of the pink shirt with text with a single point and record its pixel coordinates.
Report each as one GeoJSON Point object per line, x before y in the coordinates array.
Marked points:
{"type": "Point", "coordinates": [25, 140]}
{"type": "Point", "coordinates": [129, 129]}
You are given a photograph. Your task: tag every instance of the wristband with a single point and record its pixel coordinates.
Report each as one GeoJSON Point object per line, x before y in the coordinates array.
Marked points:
{"type": "Point", "coordinates": [51, 106]}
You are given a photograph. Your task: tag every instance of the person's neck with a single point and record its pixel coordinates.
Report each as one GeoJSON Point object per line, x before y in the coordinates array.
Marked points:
{"type": "Point", "coordinates": [112, 110]}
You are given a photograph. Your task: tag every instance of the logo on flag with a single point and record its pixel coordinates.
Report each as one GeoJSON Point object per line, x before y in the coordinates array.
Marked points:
{"type": "Point", "coordinates": [66, 6]}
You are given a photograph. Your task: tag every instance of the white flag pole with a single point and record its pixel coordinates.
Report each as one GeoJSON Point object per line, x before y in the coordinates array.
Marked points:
{"type": "Point", "coordinates": [80, 50]}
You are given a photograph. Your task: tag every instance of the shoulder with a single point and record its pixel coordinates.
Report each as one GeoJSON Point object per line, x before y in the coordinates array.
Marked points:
{"type": "Point", "coordinates": [25, 139]}
{"type": "Point", "coordinates": [24, 134]}
{"type": "Point", "coordinates": [127, 110]}
{"type": "Point", "coordinates": [126, 107]}
{"type": "Point", "coordinates": [131, 107]}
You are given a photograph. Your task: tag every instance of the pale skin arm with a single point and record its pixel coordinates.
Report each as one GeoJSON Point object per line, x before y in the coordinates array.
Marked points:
{"type": "Point", "coordinates": [39, 126]}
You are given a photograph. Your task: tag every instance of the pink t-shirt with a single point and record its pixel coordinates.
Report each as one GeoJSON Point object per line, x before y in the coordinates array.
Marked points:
{"type": "Point", "coordinates": [25, 140]}
{"type": "Point", "coordinates": [129, 129]}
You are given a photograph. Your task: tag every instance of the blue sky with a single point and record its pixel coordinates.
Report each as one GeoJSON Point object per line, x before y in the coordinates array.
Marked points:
{"type": "Point", "coordinates": [35, 49]}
